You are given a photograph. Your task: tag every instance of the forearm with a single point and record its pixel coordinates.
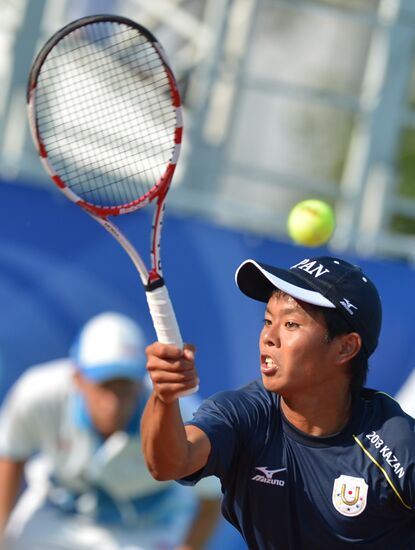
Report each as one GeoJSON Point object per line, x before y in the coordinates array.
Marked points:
{"type": "Point", "coordinates": [164, 442]}
{"type": "Point", "coordinates": [171, 450]}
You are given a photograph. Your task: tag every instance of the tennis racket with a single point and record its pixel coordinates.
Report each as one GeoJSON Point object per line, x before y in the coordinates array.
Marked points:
{"type": "Point", "coordinates": [105, 115]}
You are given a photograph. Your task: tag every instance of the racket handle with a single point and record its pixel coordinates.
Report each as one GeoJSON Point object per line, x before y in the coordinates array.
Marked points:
{"type": "Point", "coordinates": [164, 321]}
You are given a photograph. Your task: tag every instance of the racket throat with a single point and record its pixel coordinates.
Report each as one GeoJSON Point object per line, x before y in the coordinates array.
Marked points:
{"type": "Point", "coordinates": [154, 281]}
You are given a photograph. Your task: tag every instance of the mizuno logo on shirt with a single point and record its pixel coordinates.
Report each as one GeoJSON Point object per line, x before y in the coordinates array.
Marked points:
{"type": "Point", "coordinates": [268, 476]}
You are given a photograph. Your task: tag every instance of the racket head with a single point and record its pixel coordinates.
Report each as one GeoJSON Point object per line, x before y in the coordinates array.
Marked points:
{"type": "Point", "coordinates": [105, 114]}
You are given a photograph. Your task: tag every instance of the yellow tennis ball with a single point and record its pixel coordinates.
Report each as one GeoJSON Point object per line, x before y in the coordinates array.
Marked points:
{"type": "Point", "coordinates": [311, 222]}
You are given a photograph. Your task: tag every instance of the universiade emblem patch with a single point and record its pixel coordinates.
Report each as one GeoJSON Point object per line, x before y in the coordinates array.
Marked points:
{"type": "Point", "coordinates": [349, 495]}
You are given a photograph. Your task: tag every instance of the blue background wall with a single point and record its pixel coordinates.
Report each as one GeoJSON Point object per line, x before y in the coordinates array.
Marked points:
{"type": "Point", "coordinates": [58, 268]}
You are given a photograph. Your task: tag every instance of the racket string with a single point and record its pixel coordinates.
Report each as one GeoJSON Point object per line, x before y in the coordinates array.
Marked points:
{"type": "Point", "coordinates": [109, 133]}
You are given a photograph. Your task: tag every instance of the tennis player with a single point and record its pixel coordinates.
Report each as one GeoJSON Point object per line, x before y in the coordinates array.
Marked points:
{"type": "Point", "coordinates": [308, 458]}
{"type": "Point", "coordinates": [89, 487]}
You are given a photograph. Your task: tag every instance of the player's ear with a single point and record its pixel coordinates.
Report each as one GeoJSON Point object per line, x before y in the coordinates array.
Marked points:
{"type": "Point", "coordinates": [349, 346]}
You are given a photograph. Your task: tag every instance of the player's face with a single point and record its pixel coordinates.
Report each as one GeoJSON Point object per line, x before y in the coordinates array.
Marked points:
{"type": "Point", "coordinates": [296, 356]}
{"type": "Point", "coordinates": [110, 404]}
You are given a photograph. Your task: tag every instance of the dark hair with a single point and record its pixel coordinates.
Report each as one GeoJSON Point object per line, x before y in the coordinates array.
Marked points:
{"type": "Point", "coordinates": [337, 325]}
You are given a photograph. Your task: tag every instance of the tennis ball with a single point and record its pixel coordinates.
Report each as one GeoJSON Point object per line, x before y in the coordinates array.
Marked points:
{"type": "Point", "coordinates": [311, 222]}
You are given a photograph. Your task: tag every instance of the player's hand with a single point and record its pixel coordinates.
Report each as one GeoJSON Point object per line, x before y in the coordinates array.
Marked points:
{"type": "Point", "coordinates": [172, 370]}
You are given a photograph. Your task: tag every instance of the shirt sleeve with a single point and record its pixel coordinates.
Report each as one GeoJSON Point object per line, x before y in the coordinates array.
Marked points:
{"type": "Point", "coordinates": [221, 420]}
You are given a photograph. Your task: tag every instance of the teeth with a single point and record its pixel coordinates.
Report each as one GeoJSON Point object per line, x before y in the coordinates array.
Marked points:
{"type": "Point", "coordinates": [269, 361]}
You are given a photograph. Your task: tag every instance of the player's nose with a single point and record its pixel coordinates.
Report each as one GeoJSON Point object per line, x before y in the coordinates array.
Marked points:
{"type": "Point", "coordinates": [271, 336]}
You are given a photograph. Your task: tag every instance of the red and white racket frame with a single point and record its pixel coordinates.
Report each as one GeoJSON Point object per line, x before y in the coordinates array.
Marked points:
{"type": "Point", "coordinates": [161, 309]}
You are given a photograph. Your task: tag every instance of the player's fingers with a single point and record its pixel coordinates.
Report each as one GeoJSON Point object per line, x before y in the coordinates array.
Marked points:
{"type": "Point", "coordinates": [164, 351]}
{"type": "Point", "coordinates": [169, 358]}
{"type": "Point", "coordinates": [155, 364]}
{"type": "Point", "coordinates": [178, 377]}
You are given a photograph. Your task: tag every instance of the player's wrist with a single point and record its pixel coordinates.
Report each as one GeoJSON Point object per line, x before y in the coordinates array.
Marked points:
{"type": "Point", "coordinates": [164, 399]}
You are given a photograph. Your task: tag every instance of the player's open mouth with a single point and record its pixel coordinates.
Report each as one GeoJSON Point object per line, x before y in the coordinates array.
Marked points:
{"type": "Point", "coordinates": [268, 367]}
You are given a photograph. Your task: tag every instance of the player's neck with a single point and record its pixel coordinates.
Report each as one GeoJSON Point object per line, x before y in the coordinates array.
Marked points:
{"type": "Point", "coordinates": [318, 417]}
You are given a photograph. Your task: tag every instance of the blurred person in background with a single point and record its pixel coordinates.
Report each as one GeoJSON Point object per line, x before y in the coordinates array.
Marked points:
{"type": "Point", "coordinates": [71, 429]}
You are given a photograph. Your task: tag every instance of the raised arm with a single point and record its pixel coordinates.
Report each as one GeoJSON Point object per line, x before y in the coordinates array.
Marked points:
{"type": "Point", "coordinates": [171, 450]}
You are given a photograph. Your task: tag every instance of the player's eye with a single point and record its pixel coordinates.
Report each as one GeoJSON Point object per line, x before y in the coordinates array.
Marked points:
{"type": "Point", "coordinates": [291, 324]}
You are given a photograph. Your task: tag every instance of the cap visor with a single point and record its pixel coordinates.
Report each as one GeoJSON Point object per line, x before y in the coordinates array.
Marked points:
{"type": "Point", "coordinates": [258, 281]}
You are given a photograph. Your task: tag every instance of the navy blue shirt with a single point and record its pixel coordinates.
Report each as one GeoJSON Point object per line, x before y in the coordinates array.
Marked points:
{"type": "Point", "coordinates": [286, 490]}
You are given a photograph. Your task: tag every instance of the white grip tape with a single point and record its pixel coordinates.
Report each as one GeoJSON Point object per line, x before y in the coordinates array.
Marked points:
{"type": "Point", "coordinates": [164, 321]}
{"type": "Point", "coordinates": [163, 316]}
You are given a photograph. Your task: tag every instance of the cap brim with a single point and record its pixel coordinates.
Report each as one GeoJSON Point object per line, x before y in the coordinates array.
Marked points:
{"type": "Point", "coordinates": [113, 371]}
{"type": "Point", "coordinates": [258, 281]}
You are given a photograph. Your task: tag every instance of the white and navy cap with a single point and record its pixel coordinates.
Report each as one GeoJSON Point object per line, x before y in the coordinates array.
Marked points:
{"type": "Point", "coordinates": [110, 346]}
{"type": "Point", "coordinates": [323, 281]}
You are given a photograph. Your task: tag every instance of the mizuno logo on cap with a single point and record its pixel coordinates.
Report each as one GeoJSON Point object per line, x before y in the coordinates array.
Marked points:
{"type": "Point", "coordinates": [313, 268]}
{"type": "Point", "coordinates": [348, 306]}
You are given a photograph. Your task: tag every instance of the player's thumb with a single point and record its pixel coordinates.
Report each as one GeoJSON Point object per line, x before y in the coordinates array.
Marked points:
{"type": "Point", "coordinates": [189, 351]}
